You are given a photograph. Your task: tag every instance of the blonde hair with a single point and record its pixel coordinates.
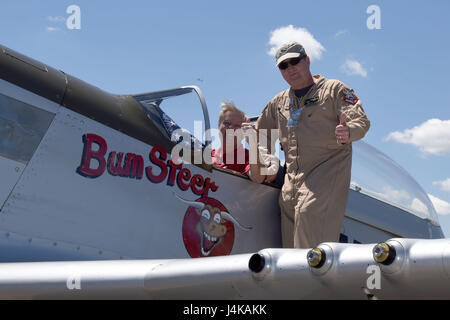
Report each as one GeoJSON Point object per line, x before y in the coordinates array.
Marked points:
{"type": "Point", "coordinates": [230, 106]}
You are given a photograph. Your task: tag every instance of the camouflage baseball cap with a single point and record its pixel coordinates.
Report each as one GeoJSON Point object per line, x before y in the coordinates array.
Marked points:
{"type": "Point", "coordinates": [288, 51]}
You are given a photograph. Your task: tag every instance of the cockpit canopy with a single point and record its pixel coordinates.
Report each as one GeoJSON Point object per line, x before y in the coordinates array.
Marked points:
{"type": "Point", "coordinates": [378, 176]}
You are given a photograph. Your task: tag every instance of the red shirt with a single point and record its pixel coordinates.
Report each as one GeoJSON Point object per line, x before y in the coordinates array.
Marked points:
{"type": "Point", "coordinates": [218, 161]}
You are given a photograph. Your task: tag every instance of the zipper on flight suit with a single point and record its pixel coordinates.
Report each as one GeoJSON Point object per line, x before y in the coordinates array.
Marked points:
{"type": "Point", "coordinates": [302, 107]}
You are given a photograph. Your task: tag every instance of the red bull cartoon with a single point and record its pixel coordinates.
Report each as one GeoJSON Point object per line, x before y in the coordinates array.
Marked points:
{"type": "Point", "coordinates": [208, 228]}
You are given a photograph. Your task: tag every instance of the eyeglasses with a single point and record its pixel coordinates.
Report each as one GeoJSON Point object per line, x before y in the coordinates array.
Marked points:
{"type": "Point", "coordinates": [293, 62]}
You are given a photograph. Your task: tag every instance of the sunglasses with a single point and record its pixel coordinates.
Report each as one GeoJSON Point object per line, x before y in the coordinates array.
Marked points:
{"type": "Point", "coordinates": [229, 125]}
{"type": "Point", "coordinates": [294, 61]}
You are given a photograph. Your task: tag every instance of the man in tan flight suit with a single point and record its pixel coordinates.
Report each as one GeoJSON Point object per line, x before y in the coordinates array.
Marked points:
{"type": "Point", "coordinates": [317, 119]}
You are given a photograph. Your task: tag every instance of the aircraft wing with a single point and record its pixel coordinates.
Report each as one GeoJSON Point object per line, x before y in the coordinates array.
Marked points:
{"type": "Point", "coordinates": [397, 269]}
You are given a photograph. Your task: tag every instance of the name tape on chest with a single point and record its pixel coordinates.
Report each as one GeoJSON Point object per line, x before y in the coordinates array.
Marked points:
{"type": "Point", "coordinates": [311, 101]}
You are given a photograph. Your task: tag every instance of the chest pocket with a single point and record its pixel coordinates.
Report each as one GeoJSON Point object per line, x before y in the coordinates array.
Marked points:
{"type": "Point", "coordinates": [283, 112]}
{"type": "Point", "coordinates": [319, 111]}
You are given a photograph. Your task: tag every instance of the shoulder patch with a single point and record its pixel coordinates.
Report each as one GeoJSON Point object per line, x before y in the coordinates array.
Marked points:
{"type": "Point", "coordinates": [349, 96]}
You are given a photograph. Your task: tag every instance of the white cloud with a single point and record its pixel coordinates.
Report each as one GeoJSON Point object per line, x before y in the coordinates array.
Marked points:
{"type": "Point", "coordinates": [398, 196]}
{"type": "Point", "coordinates": [431, 137]}
{"type": "Point", "coordinates": [283, 35]}
{"type": "Point", "coordinates": [444, 185]}
{"type": "Point", "coordinates": [50, 29]}
{"type": "Point", "coordinates": [442, 207]}
{"type": "Point", "coordinates": [353, 67]}
{"type": "Point", "coordinates": [419, 206]}
{"type": "Point", "coordinates": [57, 19]}
{"type": "Point", "coordinates": [340, 33]}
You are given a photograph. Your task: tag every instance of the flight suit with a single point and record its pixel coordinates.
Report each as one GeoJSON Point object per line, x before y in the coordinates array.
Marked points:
{"type": "Point", "coordinates": [318, 168]}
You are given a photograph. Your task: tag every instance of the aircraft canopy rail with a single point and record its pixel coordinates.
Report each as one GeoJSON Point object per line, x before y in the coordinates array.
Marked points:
{"type": "Point", "coordinates": [378, 176]}
{"type": "Point", "coordinates": [154, 99]}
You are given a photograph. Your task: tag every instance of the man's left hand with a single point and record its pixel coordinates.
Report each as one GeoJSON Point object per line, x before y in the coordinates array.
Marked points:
{"type": "Point", "coordinates": [342, 131]}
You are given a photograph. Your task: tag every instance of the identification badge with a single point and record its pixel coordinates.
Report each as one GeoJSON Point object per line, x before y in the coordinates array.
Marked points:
{"type": "Point", "coordinates": [294, 117]}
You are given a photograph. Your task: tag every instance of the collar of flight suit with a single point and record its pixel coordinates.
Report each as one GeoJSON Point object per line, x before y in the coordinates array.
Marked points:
{"type": "Point", "coordinates": [314, 91]}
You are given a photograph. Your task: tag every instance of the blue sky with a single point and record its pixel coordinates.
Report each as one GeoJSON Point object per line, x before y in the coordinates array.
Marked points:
{"type": "Point", "coordinates": [399, 72]}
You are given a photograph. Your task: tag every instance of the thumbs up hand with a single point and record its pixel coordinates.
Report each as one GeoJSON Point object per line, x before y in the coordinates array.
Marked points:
{"type": "Point", "coordinates": [342, 131]}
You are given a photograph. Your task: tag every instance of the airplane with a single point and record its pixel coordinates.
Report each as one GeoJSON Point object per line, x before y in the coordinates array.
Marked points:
{"type": "Point", "coordinates": [93, 206]}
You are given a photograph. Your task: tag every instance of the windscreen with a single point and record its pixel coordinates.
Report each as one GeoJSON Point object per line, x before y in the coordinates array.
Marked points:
{"type": "Point", "coordinates": [375, 174]}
